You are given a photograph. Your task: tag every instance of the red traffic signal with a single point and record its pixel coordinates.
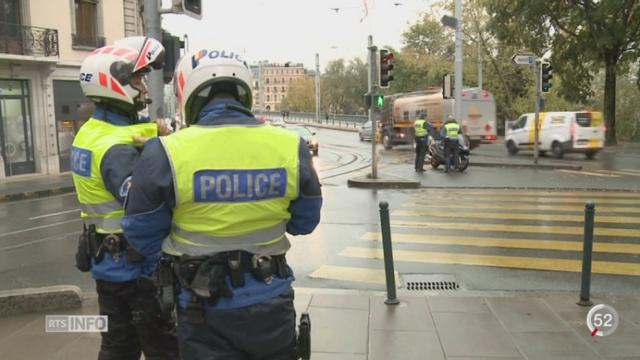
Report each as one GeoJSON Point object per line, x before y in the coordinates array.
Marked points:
{"type": "Point", "coordinates": [386, 68]}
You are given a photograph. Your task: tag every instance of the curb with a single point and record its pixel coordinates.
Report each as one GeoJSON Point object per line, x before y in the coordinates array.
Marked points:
{"type": "Point", "coordinates": [36, 194]}
{"type": "Point", "coordinates": [527, 166]}
{"type": "Point", "coordinates": [365, 182]}
{"type": "Point", "coordinates": [31, 300]}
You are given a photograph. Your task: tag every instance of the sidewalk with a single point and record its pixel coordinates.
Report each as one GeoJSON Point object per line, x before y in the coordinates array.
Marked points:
{"type": "Point", "coordinates": [30, 186]}
{"type": "Point", "coordinates": [354, 325]}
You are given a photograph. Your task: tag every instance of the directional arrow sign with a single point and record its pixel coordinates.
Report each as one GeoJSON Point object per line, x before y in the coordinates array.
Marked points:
{"type": "Point", "coordinates": [523, 59]}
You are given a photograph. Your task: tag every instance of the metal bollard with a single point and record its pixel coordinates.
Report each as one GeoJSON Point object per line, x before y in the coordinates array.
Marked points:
{"type": "Point", "coordinates": [587, 249]}
{"type": "Point", "coordinates": [388, 254]}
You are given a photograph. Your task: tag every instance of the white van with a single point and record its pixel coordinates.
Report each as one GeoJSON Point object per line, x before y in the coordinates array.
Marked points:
{"type": "Point", "coordinates": [560, 132]}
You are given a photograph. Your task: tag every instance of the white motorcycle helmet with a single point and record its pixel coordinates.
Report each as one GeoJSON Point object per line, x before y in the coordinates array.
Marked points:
{"type": "Point", "coordinates": [202, 73]}
{"type": "Point", "coordinates": [106, 74]}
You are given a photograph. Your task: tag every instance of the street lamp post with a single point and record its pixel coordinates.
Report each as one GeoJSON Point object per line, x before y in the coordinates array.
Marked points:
{"type": "Point", "coordinates": [456, 23]}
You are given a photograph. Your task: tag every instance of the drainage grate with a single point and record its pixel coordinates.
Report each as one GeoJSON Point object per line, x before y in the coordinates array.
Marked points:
{"type": "Point", "coordinates": [430, 282]}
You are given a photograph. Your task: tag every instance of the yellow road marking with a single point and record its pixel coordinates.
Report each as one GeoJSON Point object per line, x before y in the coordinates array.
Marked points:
{"type": "Point", "coordinates": [372, 276]}
{"type": "Point", "coordinates": [586, 173]}
{"type": "Point", "coordinates": [537, 229]}
{"type": "Point", "coordinates": [517, 262]}
{"type": "Point", "coordinates": [544, 193]}
{"type": "Point", "coordinates": [495, 205]}
{"type": "Point", "coordinates": [511, 216]}
{"type": "Point", "coordinates": [479, 241]}
{"type": "Point", "coordinates": [632, 170]}
{"type": "Point", "coordinates": [530, 199]}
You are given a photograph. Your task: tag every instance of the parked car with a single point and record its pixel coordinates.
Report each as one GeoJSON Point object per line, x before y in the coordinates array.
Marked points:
{"type": "Point", "coordinates": [365, 133]}
{"type": "Point", "coordinates": [307, 135]}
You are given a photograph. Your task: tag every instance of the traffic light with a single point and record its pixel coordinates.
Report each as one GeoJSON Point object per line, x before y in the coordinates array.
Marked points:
{"type": "Point", "coordinates": [378, 101]}
{"type": "Point", "coordinates": [192, 8]}
{"type": "Point", "coordinates": [546, 74]}
{"type": "Point", "coordinates": [172, 45]}
{"type": "Point", "coordinates": [386, 67]}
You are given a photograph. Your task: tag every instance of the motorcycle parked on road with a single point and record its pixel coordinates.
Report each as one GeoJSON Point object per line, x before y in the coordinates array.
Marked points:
{"type": "Point", "coordinates": [435, 152]}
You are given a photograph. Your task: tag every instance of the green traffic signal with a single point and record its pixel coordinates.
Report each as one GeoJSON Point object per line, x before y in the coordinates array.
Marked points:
{"type": "Point", "coordinates": [379, 101]}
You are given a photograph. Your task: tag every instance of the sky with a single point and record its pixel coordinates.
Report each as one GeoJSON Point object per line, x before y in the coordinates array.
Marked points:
{"type": "Point", "coordinates": [295, 30]}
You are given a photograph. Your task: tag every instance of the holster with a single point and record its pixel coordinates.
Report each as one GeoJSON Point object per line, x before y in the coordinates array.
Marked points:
{"type": "Point", "coordinates": [165, 284]}
{"type": "Point", "coordinates": [304, 337]}
{"type": "Point", "coordinates": [83, 254]}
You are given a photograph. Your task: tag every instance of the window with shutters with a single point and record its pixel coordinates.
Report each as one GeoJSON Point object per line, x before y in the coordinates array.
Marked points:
{"type": "Point", "coordinates": [87, 25]}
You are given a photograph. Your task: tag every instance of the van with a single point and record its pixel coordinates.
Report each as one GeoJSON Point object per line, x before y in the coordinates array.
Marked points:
{"type": "Point", "coordinates": [559, 132]}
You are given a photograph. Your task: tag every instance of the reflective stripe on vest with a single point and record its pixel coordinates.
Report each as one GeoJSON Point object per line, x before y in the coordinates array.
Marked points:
{"type": "Point", "coordinates": [420, 130]}
{"type": "Point", "coordinates": [98, 206]}
{"type": "Point", "coordinates": [452, 129]}
{"type": "Point", "coordinates": [233, 187]}
{"type": "Point", "coordinates": [251, 242]}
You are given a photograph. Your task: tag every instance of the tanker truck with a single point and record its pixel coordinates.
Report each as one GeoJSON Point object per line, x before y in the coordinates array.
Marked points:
{"type": "Point", "coordinates": [401, 110]}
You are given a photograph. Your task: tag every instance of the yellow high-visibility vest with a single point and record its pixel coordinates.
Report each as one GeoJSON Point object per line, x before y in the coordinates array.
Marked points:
{"type": "Point", "coordinates": [98, 206]}
{"type": "Point", "coordinates": [420, 130]}
{"type": "Point", "coordinates": [233, 188]}
{"type": "Point", "coordinates": [452, 129]}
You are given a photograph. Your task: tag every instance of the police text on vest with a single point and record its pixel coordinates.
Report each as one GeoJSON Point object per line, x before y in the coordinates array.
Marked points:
{"type": "Point", "coordinates": [239, 185]}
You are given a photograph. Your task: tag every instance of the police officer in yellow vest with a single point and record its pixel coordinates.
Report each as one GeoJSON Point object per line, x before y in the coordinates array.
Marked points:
{"type": "Point", "coordinates": [218, 197]}
{"type": "Point", "coordinates": [449, 133]}
{"type": "Point", "coordinates": [421, 131]}
{"type": "Point", "coordinates": [103, 156]}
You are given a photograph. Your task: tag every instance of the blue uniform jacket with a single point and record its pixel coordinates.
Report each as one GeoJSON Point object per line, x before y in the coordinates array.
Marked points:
{"type": "Point", "coordinates": [116, 168]}
{"type": "Point", "coordinates": [151, 201]}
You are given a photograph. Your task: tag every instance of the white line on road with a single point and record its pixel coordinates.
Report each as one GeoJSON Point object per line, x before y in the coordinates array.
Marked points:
{"type": "Point", "coordinates": [39, 227]}
{"type": "Point", "coordinates": [586, 173]}
{"type": "Point", "coordinates": [33, 242]}
{"type": "Point", "coordinates": [53, 214]}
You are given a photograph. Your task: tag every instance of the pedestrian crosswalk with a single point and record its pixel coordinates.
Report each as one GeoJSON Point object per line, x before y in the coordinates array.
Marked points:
{"type": "Point", "coordinates": [509, 229]}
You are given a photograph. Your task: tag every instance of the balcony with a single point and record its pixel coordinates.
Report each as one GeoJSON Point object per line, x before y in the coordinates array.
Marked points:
{"type": "Point", "coordinates": [84, 42]}
{"type": "Point", "coordinates": [28, 40]}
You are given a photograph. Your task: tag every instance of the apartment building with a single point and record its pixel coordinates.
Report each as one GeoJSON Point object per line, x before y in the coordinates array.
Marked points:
{"type": "Point", "coordinates": [42, 44]}
{"type": "Point", "coordinates": [273, 83]}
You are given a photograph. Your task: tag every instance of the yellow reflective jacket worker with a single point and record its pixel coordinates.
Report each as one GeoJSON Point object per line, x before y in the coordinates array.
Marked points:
{"type": "Point", "coordinates": [420, 128]}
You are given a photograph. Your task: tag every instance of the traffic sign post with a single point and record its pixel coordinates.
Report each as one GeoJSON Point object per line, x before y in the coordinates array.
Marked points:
{"type": "Point", "coordinates": [523, 59]}
{"type": "Point", "coordinates": [532, 60]}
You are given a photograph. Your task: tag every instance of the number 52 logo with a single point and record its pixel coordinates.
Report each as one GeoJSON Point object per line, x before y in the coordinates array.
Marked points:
{"type": "Point", "coordinates": [602, 320]}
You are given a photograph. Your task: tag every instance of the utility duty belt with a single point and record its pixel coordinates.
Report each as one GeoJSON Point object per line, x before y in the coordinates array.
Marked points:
{"type": "Point", "coordinates": [206, 275]}
{"type": "Point", "coordinates": [92, 245]}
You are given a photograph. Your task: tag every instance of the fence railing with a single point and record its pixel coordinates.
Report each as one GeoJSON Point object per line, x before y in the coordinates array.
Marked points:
{"type": "Point", "coordinates": [28, 40]}
{"type": "Point", "coordinates": [342, 120]}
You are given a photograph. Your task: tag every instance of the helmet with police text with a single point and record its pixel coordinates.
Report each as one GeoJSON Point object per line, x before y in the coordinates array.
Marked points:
{"type": "Point", "coordinates": [114, 75]}
{"type": "Point", "coordinates": [200, 74]}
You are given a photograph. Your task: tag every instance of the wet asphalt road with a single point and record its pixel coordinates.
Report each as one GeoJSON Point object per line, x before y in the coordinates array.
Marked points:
{"type": "Point", "coordinates": [486, 238]}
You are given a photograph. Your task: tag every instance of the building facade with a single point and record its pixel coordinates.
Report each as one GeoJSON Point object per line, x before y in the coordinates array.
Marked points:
{"type": "Point", "coordinates": [42, 44]}
{"type": "Point", "coordinates": [273, 83]}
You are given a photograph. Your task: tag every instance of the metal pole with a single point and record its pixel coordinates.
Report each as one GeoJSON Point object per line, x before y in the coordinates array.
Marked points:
{"type": "Point", "coordinates": [458, 62]}
{"type": "Point", "coordinates": [536, 71]}
{"type": "Point", "coordinates": [373, 51]}
{"type": "Point", "coordinates": [388, 254]}
{"type": "Point", "coordinates": [479, 66]}
{"type": "Point", "coordinates": [587, 248]}
{"type": "Point", "coordinates": [153, 29]}
{"type": "Point", "coordinates": [317, 88]}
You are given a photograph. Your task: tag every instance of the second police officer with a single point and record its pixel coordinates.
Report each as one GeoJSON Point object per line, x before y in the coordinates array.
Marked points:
{"type": "Point", "coordinates": [421, 127]}
{"type": "Point", "coordinates": [449, 134]}
{"type": "Point", "coordinates": [218, 197]}
{"type": "Point", "coordinates": [103, 156]}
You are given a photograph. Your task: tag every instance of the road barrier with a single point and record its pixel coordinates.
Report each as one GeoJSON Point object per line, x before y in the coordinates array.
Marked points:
{"type": "Point", "coordinates": [587, 249]}
{"type": "Point", "coordinates": [388, 254]}
{"type": "Point", "coordinates": [341, 120]}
